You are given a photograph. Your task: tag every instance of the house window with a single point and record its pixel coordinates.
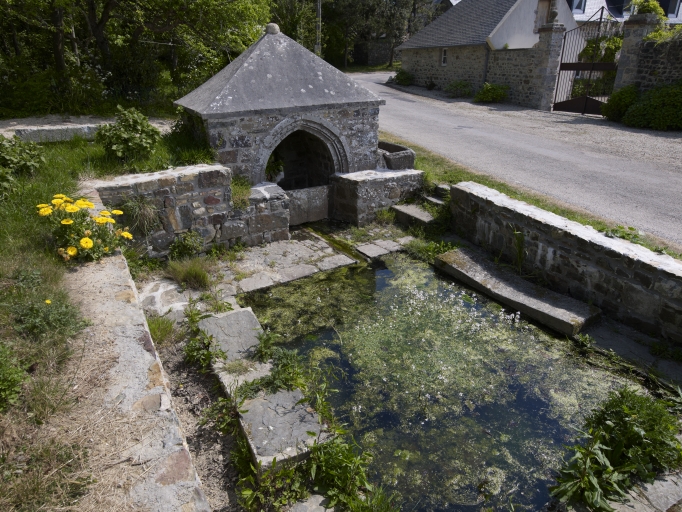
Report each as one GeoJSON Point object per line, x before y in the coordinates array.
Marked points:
{"type": "Point", "coordinates": [444, 57]}
{"type": "Point", "coordinates": [578, 6]}
{"type": "Point", "coordinates": [674, 8]}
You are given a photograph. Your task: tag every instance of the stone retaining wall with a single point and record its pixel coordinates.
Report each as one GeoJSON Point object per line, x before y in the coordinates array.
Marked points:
{"type": "Point", "coordinates": [627, 281]}
{"type": "Point", "coordinates": [199, 198]}
{"type": "Point", "coordinates": [659, 64]}
{"type": "Point", "coordinates": [463, 63]}
{"type": "Point", "coordinates": [357, 196]}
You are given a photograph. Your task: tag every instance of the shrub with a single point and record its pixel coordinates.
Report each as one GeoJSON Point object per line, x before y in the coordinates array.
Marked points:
{"type": "Point", "coordinates": [186, 245]}
{"type": "Point", "coordinates": [11, 377]}
{"type": "Point", "coordinates": [459, 89]}
{"type": "Point", "coordinates": [665, 33]}
{"type": "Point", "coordinates": [648, 7]}
{"type": "Point", "coordinates": [241, 191]}
{"type": "Point", "coordinates": [658, 109]}
{"type": "Point", "coordinates": [491, 93]}
{"type": "Point", "coordinates": [619, 103]}
{"type": "Point", "coordinates": [77, 234]}
{"type": "Point", "coordinates": [192, 273]}
{"type": "Point", "coordinates": [403, 77]}
{"type": "Point", "coordinates": [20, 157]}
{"type": "Point", "coordinates": [130, 137]}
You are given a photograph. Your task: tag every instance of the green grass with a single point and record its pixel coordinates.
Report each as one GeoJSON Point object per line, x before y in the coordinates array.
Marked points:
{"type": "Point", "coordinates": [369, 69]}
{"type": "Point", "coordinates": [438, 169]}
{"type": "Point", "coordinates": [241, 191]}
{"type": "Point", "coordinates": [192, 273]}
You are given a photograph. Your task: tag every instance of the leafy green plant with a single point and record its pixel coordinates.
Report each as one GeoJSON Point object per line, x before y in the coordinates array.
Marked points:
{"type": "Point", "coordinates": [665, 33]}
{"type": "Point", "coordinates": [648, 7]}
{"type": "Point", "coordinates": [162, 329]}
{"type": "Point", "coordinates": [192, 273]}
{"type": "Point", "coordinates": [658, 109]}
{"type": "Point", "coordinates": [20, 157]}
{"type": "Point", "coordinates": [8, 184]}
{"type": "Point", "coordinates": [584, 341]}
{"type": "Point", "coordinates": [186, 245]}
{"type": "Point", "coordinates": [628, 435]}
{"type": "Point", "coordinates": [491, 93]}
{"type": "Point", "coordinates": [459, 89]}
{"type": "Point", "coordinates": [241, 191]}
{"type": "Point", "coordinates": [143, 215]}
{"type": "Point", "coordinates": [274, 167]}
{"type": "Point", "coordinates": [42, 319]}
{"type": "Point", "coordinates": [130, 137]}
{"type": "Point", "coordinates": [139, 264]}
{"type": "Point", "coordinates": [403, 77]}
{"type": "Point", "coordinates": [266, 346]}
{"type": "Point", "coordinates": [428, 250]}
{"type": "Point", "coordinates": [202, 350]}
{"type": "Point", "coordinates": [11, 377]}
{"type": "Point", "coordinates": [619, 102]}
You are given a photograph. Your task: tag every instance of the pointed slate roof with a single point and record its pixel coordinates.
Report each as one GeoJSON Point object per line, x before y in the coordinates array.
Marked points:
{"type": "Point", "coordinates": [468, 22]}
{"type": "Point", "coordinates": [274, 74]}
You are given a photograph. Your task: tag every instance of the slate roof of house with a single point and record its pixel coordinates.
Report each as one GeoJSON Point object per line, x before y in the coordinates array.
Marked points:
{"type": "Point", "coordinates": [468, 22]}
{"type": "Point", "coordinates": [275, 73]}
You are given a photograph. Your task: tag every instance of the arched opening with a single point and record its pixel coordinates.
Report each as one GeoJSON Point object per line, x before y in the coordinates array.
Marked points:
{"type": "Point", "coordinates": [301, 160]}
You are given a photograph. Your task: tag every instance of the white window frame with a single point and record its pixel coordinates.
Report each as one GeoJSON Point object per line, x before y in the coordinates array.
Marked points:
{"type": "Point", "coordinates": [577, 7]}
{"type": "Point", "coordinates": [444, 57]}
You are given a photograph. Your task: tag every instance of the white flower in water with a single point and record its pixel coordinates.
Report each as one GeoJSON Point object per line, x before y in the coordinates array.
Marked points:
{"type": "Point", "coordinates": [461, 394]}
{"type": "Point", "coordinates": [384, 378]}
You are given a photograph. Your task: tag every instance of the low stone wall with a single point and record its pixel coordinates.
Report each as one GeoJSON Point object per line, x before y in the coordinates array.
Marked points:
{"type": "Point", "coordinates": [514, 68]}
{"type": "Point", "coordinates": [659, 64]}
{"type": "Point", "coordinates": [199, 198]}
{"type": "Point", "coordinates": [357, 196]}
{"type": "Point", "coordinates": [627, 281]}
{"type": "Point", "coordinates": [463, 63]}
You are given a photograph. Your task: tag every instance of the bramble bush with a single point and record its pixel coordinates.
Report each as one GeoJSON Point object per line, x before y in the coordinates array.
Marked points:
{"type": "Point", "coordinates": [130, 137]}
{"type": "Point", "coordinates": [491, 93]}
{"type": "Point", "coordinates": [403, 77]}
{"type": "Point", "coordinates": [79, 234]}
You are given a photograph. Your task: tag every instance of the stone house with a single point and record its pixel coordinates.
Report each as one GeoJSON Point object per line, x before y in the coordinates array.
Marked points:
{"type": "Point", "coordinates": [498, 41]}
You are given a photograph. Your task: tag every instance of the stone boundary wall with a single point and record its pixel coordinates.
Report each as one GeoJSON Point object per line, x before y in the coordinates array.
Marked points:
{"type": "Point", "coordinates": [463, 63]}
{"type": "Point", "coordinates": [658, 64]}
{"type": "Point", "coordinates": [627, 281]}
{"type": "Point", "coordinates": [356, 197]}
{"type": "Point", "coordinates": [514, 68]}
{"type": "Point", "coordinates": [199, 198]}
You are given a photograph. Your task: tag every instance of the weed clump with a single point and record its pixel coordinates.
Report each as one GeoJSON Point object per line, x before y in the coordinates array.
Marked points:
{"type": "Point", "coordinates": [186, 245]}
{"type": "Point", "coordinates": [20, 157]}
{"type": "Point", "coordinates": [11, 377]}
{"type": "Point", "coordinates": [162, 329]}
{"type": "Point", "coordinates": [385, 217]}
{"type": "Point", "coordinates": [241, 191]}
{"type": "Point", "coordinates": [192, 273]}
{"type": "Point", "coordinates": [131, 137]}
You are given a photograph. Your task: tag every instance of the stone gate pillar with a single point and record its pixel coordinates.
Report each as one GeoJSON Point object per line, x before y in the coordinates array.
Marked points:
{"type": "Point", "coordinates": [549, 58]}
{"type": "Point", "coordinates": [635, 29]}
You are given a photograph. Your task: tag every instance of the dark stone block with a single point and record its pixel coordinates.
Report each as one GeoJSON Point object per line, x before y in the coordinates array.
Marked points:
{"type": "Point", "coordinates": [184, 188]}
{"type": "Point", "coordinates": [162, 192]}
{"type": "Point", "coordinates": [169, 202]}
{"type": "Point", "coordinates": [212, 200]}
{"type": "Point", "coordinates": [185, 216]}
{"type": "Point", "coordinates": [215, 178]}
{"type": "Point", "coordinates": [161, 240]}
{"type": "Point", "coordinates": [644, 279]}
{"type": "Point", "coordinates": [228, 157]}
{"type": "Point", "coordinates": [241, 141]}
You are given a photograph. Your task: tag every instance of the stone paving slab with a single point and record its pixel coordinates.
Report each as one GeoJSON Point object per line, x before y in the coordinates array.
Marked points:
{"type": "Point", "coordinates": [314, 503]}
{"type": "Point", "coordinates": [235, 332]}
{"type": "Point", "coordinates": [411, 214]}
{"type": "Point", "coordinates": [278, 426]}
{"type": "Point", "coordinates": [405, 240]}
{"type": "Point", "coordinates": [371, 251]}
{"type": "Point", "coordinates": [563, 314]}
{"type": "Point", "coordinates": [389, 245]}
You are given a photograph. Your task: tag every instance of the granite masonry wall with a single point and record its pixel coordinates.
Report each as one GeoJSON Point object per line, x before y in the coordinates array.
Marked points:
{"type": "Point", "coordinates": [463, 63]}
{"type": "Point", "coordinates": [199, 198]}
{"type": "Point", "coordinates": [245, 143]}
{"type": "Point", "coordinates": [531, 73]}
{"type": "Point", "coordinates": [627, 281]}
{"type": "Point", "coordinates": [659, 64]}
{"type": "Point", "coordinates": [356, 197]}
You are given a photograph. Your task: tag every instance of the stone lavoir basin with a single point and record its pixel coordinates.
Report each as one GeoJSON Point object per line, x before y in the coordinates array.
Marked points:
{"type": "Point", "coordinates": [464, 405]}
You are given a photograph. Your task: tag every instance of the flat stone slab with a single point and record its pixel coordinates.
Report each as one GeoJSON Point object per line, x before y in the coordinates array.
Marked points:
{"type": "Point", "coordinates": [235, 332]}
{"type": "Point", "coordinates": [336, 261]}
{"type": "Point", "coordinates": [405, 240]}
{"type": "Point", "coordinates": [278, 426]}
{"type": "Point", "coordinates": [315, 503]}
{"type": "Point", "coordinates": [434, 201]}
{"type": "Point", "coordinates": [409, 214]}
{"type": "Point", "coordinates": [371, 250]}
{"type": "Point", "coordinates": [389, 245]}
{"type": "Point", "coordinates": [563, 314]}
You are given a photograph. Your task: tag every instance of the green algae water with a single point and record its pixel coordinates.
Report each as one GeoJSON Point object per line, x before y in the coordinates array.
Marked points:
{"type": "Point", "coordinates": [464, 405]}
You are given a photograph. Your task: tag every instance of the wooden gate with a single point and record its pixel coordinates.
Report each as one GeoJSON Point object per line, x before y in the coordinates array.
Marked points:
{"type": "Point", "coordinates": [589, 61]}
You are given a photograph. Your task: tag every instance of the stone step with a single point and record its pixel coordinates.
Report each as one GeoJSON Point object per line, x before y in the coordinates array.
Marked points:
{"type": "Point", "coordinates": [563, 314]}
{"type": "Point", "coordinates": [434, 201]}
{"type": "Point", "coordinates": [379, 248]}
{"type": "Point", "coordinates": [443, 191]}
{"type": "Point", "coordinates": [411, 214]}
{"type": "Point", "coordinates": [275, 426]}
{"type": "Point", "coordinates": [279, 426]}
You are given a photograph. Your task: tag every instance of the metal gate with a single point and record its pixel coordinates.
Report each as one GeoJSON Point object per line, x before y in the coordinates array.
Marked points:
{"type": "Point", "coordinates": [589, 61]}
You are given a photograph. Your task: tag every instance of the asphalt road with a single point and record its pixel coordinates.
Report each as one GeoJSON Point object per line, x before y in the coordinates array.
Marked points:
{"type": "Point", "coordinates": [632, 177]}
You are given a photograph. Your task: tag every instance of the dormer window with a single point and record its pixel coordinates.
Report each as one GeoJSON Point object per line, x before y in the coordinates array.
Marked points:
{"type": "Point", "coordinates": [444, 57]}
{"type": "Point", "coordinates": [674, 8]}
{"type": "Point", "coordinates": [577, 6]}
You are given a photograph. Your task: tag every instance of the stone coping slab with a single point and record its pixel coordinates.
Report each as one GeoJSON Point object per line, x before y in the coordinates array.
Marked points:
{"type": "Point", "coordinates": [57, 133]}
{"type": "Point", "coordinates": [563, 314]}
{"type": "Point", "coordinates": [378, 174]}
{"type": "Point", "coordinates": [409, 214]}
{"type": "Point", "coordinates": [177, 172]}
{"type": "Point", "coordinates": [279, 427]}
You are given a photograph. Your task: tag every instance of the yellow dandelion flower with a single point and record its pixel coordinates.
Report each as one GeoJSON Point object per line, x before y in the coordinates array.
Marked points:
{"type": "Point", "coordinates": [105, 213]}
{"type": "Point", "coordinates": [44, 212]}
{"type": "Point", "coordinates": [71, 251]}
{"type": "Point", "coordinates": [86, 243]}
{"type": "Point", "coordinates": [57, 201]}
{"type": "Point", "coordinates": [111, 221]}
{"type": "Point", "coordinates": [43, 205]}
{"type": "Point", "coordinates": [117, 212]}
{"type": "Point", "coordinates": [84, 203]}
{"type": "Point", "coordinates": [106, 249]}
{"type": "Point", "coordinates": [59, 196]}
{"type": "Point", "coordinates": [66, 222]}
{"type": "Point", "coordinates": [71, 208]}
{"type": "Point", "coordinates": [68, 199]}
{"type": "Point", "coordinates": [60, 251]}
{"type": "Point", "coordinates": [48, 301]}
{"type": "Point", "coordinates": [127, 235]}
{"type": "Point", "coordinates": [101, 220]}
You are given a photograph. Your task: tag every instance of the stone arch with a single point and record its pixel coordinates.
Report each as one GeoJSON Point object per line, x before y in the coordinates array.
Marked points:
{"type": "Point", "coordinates": [325, 132]}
